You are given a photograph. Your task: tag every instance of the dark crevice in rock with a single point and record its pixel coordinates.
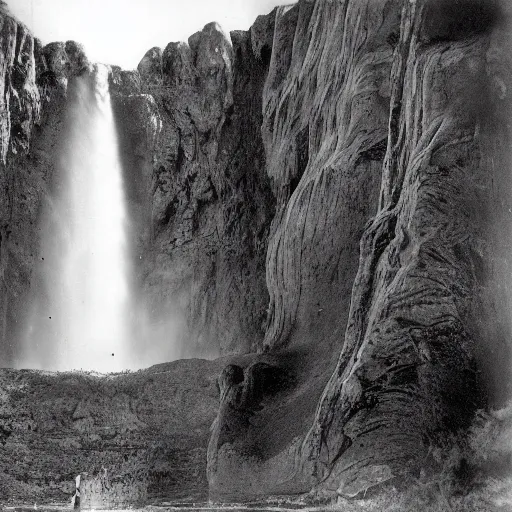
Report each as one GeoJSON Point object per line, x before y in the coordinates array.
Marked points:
{"type": "Point", "coordinates": [302, 145]}
{"type": "Point", "coordinates": [447, 20]}
{"type": "Point", "coordinates": [377, 152]}
{"type": "Point", "coordinates": [266, 54]}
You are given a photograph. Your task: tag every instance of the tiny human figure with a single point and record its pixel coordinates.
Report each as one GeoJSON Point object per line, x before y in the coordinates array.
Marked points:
{"type": "Point", "coordinates": [76, 497]}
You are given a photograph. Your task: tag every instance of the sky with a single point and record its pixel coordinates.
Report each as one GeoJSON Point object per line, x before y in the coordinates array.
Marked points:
{"type": "Point", "coordinates": [121, 31]}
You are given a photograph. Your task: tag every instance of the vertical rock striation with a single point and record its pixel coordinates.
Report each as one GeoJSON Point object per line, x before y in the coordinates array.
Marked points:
{"type": "Point", "coordinates": [406, 376]}
{"type": "Point", "coordinates": [383, 109]}
{"type": "Point", "coordinates": [326, 105]}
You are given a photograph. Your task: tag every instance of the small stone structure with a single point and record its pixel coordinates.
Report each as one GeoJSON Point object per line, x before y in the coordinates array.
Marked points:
{"type": "Point", "coordinates": [76, 497]}
{"type": "Point", "coordinates": [106, 490]}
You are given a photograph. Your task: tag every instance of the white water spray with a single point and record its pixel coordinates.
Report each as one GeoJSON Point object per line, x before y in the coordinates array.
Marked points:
{"type": "Point", "coordinates": [80, 313]}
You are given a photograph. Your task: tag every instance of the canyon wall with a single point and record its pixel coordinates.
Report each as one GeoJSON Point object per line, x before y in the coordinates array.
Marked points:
{"type": "Point", "coordinates": [21, 109]}
{"type": "Point", "coordinates": [328, 192]}
{"type": "Point", "coordinates": [198, 187]}
{"type": "Point", "coordinates": [198, 194]}
{"type": "Point", "coordinates": [394, 112]}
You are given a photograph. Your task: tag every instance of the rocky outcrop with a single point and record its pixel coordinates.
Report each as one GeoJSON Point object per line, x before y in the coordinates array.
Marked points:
{"type": "Point", "coordinates": [20, 96]}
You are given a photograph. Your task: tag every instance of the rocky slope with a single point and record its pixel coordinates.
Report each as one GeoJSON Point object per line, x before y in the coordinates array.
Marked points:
{"type": "Point", "coordinates": [328, 191]}
{"type": "Point", "coordinates": [132, 437]}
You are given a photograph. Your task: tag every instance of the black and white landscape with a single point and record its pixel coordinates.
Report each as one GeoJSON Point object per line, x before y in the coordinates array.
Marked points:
{"type": "Point", "coordinates": [272, 266]}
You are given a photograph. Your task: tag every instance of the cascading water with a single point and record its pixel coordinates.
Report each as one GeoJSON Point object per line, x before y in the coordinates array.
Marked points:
{"type": "Point", "coordinates": [81, 305]}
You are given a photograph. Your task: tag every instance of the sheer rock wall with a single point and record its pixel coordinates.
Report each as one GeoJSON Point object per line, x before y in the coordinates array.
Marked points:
{"type": "Point", "coordinates": [199, 187]}
{"type": "Point", "coordinates": [393, 111]}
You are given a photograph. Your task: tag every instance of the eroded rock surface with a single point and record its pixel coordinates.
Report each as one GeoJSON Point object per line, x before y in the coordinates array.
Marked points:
{"type": "Point", "coordinates": [198, 187]}
{"type": "Point", "coordinates": [373, 109]}
{"type": "Point", "coordinates": [407, 366]}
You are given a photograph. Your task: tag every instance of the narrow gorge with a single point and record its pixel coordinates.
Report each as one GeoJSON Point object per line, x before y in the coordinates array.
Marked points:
{"type": "Point", "coordinates": [319, 214]}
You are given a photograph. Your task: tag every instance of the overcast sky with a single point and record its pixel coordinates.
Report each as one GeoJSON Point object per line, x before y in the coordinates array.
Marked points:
{"type": "Point", "coordinates": [121, 31]}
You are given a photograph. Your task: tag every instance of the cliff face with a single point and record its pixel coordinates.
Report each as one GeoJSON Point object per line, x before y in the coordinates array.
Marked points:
{"type": "Point", "coordinates": [34, 82]}
{"type": "Point", "coordinates": [20, 104]}
{"type": "Point", "coordinates": [407, 364]}
{"type": "Point", "coordinates": [328, 191]}
{"type": "Point", "coordinates": [199, 187]}
{"type": "Point", "coordinates": [392, 111]}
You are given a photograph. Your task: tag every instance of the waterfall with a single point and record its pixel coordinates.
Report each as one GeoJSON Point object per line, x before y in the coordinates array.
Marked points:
{"type": "Point", "coordinates": [79, 315]}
